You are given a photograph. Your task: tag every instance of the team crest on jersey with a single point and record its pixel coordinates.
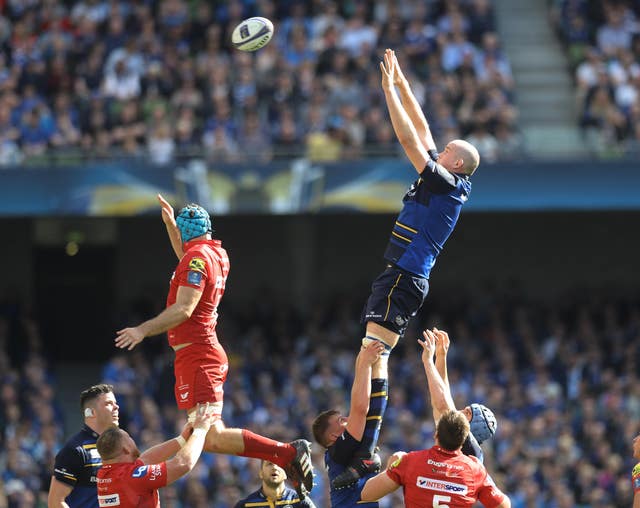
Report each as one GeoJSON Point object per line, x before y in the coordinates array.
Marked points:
{"type": "Point", "coordinates": [197, 264]}
{"type": "Point", "coordinates": [140, 472]}
{"type": "Point", "coordinates": [636, 470]}
{"type": "Point", "coordinates": [194, 278]}
{"type": "Point", "coordinates": [395, 463]}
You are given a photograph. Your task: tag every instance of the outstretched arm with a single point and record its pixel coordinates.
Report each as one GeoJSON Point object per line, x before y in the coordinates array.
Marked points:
{"type": "Point", "coordinates": [412, 107]}
{"type": "Point", "coordinates": [442, 348]}
{"type": "Point", "coordinates": [164, 451]}
{"type": "Point", "coordinates": [186, 458]}
{"type": "Point", "coordinates": [187, 299]}
{"type": "Point", "coordinates": [172, 229]}
{"type": "Point", "coordinates": [441, 400]}
{"type": "Point", "coordinates": [361, 388]}
{"type": "Point", "coordinates": [402, 125]}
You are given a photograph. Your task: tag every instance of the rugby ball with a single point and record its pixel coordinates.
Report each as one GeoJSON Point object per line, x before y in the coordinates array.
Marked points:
{"type": "Point", "coordinates": [252, 34]}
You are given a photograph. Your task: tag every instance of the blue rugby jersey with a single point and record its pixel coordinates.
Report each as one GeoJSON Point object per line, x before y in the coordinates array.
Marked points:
{"type": "Point", "coordinates": [430, 210]}
{"type": "Point", "coordinates": [337, 458]}
{"type": "Point", "coordinates": [289, 498]}
{"type": "Point", "coordinates": [77, 465]}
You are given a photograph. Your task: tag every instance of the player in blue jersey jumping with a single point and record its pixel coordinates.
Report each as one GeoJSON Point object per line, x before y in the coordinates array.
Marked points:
{"type": "Point", "coordinates": [430, 210]}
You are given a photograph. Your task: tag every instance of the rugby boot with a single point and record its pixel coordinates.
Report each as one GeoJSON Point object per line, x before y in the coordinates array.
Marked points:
{"type": "Point", "coordinates": [300, 471]}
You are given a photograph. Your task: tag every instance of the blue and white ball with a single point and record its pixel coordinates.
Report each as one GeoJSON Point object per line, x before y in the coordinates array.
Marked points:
{"type": "Point", "coordinates": [252, 34]}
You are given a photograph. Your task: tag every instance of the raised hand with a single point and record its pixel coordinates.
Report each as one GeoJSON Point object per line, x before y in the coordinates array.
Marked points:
{"type": "Point", "coordinates": [387, 67]}
{"type": "Point", "coordinates": [128, 338]}
{"type": "Point", "coordinates": [371, 352]}
{"type": "Point", "coordinates": [442, 341]}
{"type": "Point", "coordinates": [204, 416]}
{"type": "Point", "coordinates": [398, 77]}
{"type": "Point", "coordinates": [167, 212]}
{"type": "Point", "coordinates": [428, 346]}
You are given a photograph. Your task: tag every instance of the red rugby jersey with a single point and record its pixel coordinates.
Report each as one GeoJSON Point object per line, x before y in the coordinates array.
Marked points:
{"type": "Point", "coordinates": [437, 477]}
{"type": "Point", "coordinates": [131, 484]}
{"type": "Point", "coordinates": [204, 266]}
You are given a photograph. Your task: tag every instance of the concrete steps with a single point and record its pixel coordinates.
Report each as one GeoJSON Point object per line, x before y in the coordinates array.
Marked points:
{"type": "Point", "coordinates": [545, 93]}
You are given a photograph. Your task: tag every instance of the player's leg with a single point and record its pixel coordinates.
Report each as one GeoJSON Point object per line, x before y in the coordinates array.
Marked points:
{"type": "Point", "coordinates": [367, 461]}
{"type": "Point", "coordinates": [294, 457]}
{"type": "Point", "coordinates": [203, 372]}
{"type": "Point", "coordinates": [396, 297]}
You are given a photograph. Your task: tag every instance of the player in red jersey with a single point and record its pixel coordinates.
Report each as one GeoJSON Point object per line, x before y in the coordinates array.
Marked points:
{"type": "Point", "coordinates": [130, 479]}
{"type": "Point", "coordinates": [441, 476]}
{"type": "Point", "coordinates": [201, 364]}
{"type": "Point", "coordinates": [635, 473]}
{"type": "Point", "coordinates": [482, 421]}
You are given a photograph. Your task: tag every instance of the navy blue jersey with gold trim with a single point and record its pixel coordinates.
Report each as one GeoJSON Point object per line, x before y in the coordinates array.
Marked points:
{"type": "Point", "coordinates": [289, 498]}
{"type": "Point", "coordinates": [430, 210]}
{"type": "Point", "coordinates": [77, 465]}
{"type": "Point", "coordinates": [337, 458]}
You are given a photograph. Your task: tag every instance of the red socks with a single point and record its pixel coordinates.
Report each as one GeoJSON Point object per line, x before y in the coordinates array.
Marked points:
{"type": "Point", "coordinates": [260, 447]}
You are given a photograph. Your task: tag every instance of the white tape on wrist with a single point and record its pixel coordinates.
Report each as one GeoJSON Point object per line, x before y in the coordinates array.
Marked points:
{"type": "Point", "coordinates": [199, 432]}
{"type": "Point", "coordinates": [181, 441]}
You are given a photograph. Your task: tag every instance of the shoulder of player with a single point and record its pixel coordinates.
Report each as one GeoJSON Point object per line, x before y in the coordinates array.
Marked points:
{"type": "Point", "coordinates": [256, 496]}
{"type": "Point", "coordinates": [636, 470]}
{"type": "Point", "coordinates": [78, 443]}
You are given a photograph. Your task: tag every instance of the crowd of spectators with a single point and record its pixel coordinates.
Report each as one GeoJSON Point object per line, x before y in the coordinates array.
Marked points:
{"type": "Point", "coordinates": [158, 80]}
{"type": "Point", "coordinates": [603, 44]}
{"type": "Point", "coordinates": [562, 380]}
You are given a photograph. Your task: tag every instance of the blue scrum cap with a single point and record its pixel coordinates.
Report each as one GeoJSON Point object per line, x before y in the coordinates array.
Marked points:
{"type": "Point", "coordinates": [483, 422]}
{"type": "Point", "coordinates": [193, 221]}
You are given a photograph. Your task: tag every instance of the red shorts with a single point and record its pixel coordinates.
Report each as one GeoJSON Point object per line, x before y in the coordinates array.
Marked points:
{"type": "Point", "coordinates": [200, 370]}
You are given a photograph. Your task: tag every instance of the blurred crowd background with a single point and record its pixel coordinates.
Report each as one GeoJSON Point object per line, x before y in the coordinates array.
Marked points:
{"type": "Point", "coordinates": [602, 39]}
{"type": "Point", "coordinates": [157, 78]}
{"type": "Point", "coordinates": [562, 379]}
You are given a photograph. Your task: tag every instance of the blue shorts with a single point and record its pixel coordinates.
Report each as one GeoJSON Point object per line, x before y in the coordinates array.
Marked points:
{"type": "Point", "coordinates": [396, 296]}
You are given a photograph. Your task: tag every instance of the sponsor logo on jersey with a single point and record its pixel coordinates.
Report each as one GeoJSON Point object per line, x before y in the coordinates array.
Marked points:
{"type": "Point", "coordinates": [139, 472]}
{"type": "Point", "coordinates": [109, 500]}
{"type": "Point", "coordinates": [441, 486]}
{"type": "Point", "coordinates": [444, 464]}
{"type": "Point", "coordinates": [197, 264]}
{"type": "Point", "coordinates": [156, 471]}
{"type": "Point", "coordinates": [184, 395]}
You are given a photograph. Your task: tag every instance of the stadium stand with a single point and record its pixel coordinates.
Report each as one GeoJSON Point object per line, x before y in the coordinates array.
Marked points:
{"type": "Point", "coordinates": [602, 40]}
{"type": "Point", "coordinates": [75, 84]}
{"type": "Point", "coordinates": [562, 377]}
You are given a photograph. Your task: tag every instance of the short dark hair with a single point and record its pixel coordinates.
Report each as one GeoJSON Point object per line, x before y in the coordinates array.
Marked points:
{"type": "Point", "coordinates": [320, 425]}
{"type": "Point", "coordinates": [110, 442]}
{"type": "Point", "coordinates": [452, 429]}
{"type": "Point", "coordinates": [93, 392]}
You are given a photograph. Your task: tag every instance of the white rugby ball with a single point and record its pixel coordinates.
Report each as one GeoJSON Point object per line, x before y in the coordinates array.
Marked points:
{"type": "Point", "coordinates": [252, 34]}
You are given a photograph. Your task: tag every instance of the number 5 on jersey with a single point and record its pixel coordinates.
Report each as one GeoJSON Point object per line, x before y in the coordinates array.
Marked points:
{"type": "Point", "coordinates": [439, 501]}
